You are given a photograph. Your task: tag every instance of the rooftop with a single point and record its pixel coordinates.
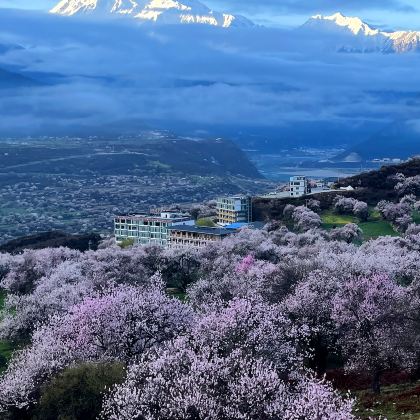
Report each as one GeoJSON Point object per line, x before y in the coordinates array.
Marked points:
{"type": "Point", "coordinates": [165, 217]}
{"type": "Point", "coordinates": [203, 230]}
{"type": "Point", "coordinates": [234, 197]}
{"type": "Point", "coordinates": [251, 225]}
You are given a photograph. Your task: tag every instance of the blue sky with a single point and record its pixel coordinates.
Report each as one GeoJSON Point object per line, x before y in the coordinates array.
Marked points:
{"type": "Point", "coordinates": [28, 4]}
{"type": "Point", "coordinates": [394, 14]}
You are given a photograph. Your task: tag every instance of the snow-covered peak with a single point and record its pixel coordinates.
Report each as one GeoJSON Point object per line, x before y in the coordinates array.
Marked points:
{"type": "Point", "coordinates": [70, 8]}
{"type": "Point", "coordinates": [352, 34]}
{"type": "Point", "coordinates": [159, 11]}
{"type": "Point", "coordinates": [402, 41]}
{"type": "Point", "coordinates": [353, 24]}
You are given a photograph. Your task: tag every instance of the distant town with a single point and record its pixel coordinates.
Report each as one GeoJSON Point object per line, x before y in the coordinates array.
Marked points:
{"type": "Point", "coordinates": [77, 185]}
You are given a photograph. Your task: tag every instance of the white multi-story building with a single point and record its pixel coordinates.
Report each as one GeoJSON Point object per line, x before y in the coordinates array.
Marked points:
{"type": "Point", "coordinates": [234, 210]}
{"type": "Point", "coordinates": [148, 229]}
{"type": "Point", "coordinates": [298, 186]}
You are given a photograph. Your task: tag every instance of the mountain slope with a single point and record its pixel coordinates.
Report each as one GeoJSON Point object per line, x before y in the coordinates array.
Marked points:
{"type": "Point", "coordinates": [379, 180]}
{"type": "Point", "coordinates": [398, 140]}
{"type": "Point", "coordinates": [351, 34]}
{"type": "Point", "coordinates": [339, 22]}
{"type": "Point", "coordinates": [157, 11]}
{"type": "Point", "coordinates": [142, 156]}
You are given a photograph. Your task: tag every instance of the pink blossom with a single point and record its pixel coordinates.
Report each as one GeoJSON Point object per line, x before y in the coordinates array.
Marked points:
{"type": "Point", "coordinates": [237, 363]}
{"type": "Point", "coordinates": [246, 264]}
{"type": "Point", "coordinates": [120, 324]}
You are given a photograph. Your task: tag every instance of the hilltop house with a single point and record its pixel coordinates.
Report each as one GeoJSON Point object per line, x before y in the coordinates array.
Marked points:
{"type": "Point", "coordinates": [236, 209]}
{"type": "Point", "coordinates": [298, 186]}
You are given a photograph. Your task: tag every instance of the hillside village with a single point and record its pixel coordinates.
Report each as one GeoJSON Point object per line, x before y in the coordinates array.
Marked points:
{"type": "Point", "coordinates": [203, 220]}
{"type": "Point", "coordinates": [228, 215]}
{"type": "Point", "coordinates": [77, 185]}
{"type": "Point", "coordinates": [232, 213]}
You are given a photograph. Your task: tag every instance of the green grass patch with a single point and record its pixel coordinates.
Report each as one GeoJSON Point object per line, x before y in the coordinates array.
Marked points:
{"type": "Point", "coordinates": [416, 217]}
{"type": "Point", "coordinates": [176, 293]}
{"type": "Point", "coordinates": [205, 222]}
{"type": "Point", "coordinates": [395, 402]}
{"type": "Point", "coordinates": [6, 347]}
{"type": "Point", "coordinates": [332, 220]}
{"type": "Point", "coordinates": [6, 350]}
{"type": "Point", "coordinates": [374, 214]}
{"type": "Point", "coordinates": [2, 299]}
{"type": "Point", "coordinates": [374, 229]}
{"type": "Point", "coordinates": [126, 243]}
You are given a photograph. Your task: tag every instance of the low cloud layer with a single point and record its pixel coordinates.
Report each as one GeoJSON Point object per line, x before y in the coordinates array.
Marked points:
{"type": "Point", "coordinates": [96, 75]}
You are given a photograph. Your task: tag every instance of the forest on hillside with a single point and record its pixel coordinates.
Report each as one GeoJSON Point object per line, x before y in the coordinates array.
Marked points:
{"type": "Point", "coordinates": [293, 321]}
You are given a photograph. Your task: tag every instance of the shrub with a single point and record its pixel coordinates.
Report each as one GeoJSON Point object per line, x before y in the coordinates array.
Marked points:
{"type": "Point", "coordinates": [314, 205]}
{"type": "Point", "coordinates": [305, 219]}
{"type": "Point", "coordinates": [410, 185]}
{"type": "Point", "coordinates": [361, 210]}
{"type": "Point", "coordinates": [126, 243]}
{"type": "Point", "coordinates": [206, 222]}
{"type": "Point", "coordinates": [348, 233]}
{"type": "Point", "coordinates": [288, 211]}
{"type": "Point", "coordinates": [77, 392]}
{"type": "Point", "coordinates": [344, 205]}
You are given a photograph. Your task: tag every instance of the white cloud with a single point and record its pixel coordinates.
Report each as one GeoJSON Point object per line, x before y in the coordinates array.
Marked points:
{"type": "Point", "coordinates": [127, 75]}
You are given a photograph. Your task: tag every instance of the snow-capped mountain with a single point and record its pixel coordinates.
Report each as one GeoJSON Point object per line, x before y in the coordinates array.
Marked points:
{"type": "Point", "coordinates": [157, 11]}
{"type": "Point", "coordinates": [341, 23]}
{"type": "Point", "coordinates": [402, 41]}
{"type": "Point", "coordinates": [351, 34]}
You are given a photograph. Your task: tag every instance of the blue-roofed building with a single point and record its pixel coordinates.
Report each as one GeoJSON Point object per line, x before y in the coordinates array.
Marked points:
{"type": "Point", "coordinates": [252, 225]}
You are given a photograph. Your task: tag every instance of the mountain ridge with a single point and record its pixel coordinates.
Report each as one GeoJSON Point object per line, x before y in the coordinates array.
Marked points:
{"type": "Point", "coordinates": [339, 32]}
{"type": "Point", "coordinates": [154, 11]}
{"type": "Point", "coordinates": [358, 36]}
